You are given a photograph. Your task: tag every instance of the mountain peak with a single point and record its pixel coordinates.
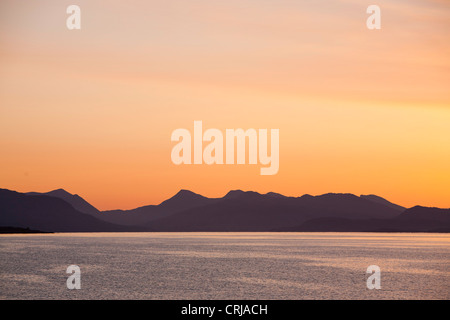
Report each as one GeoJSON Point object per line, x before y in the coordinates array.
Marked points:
{"type": "Point", "coordinates": [73, 199]}
{"type": "Point", "coordinates": [337, 194]}
{"type": "Point", "coordinates": [380, 200]}
{"type": "Point", "coordinates": [235, 194]}
{"type": "Point", "coordinates": [275, 195]}
{"type": "Point", "coordinates": [184, 193]}
{"type": "Point", "coordinates": [59, 191]}
{"type": "Point", "coordinates": [182, 196]}
{"type": "Point", "coordinates": [183, 199]}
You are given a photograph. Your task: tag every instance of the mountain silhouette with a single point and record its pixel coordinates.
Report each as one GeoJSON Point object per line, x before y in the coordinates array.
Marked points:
{"type": "Point", "coordinates": [378, 199]}
{"type": "Point", "coordinates": [425, 219]}
{"type": "Point", "coordinates": [73, 199]}
{"type": "Point", "coordinates": [183, 200]}
{"type": "Point", "coordinates": [416, 219]}
{"type": "Point", "coordinates": [425, 213]}
{"type": "Point", "coordinates": [251, 211]}
{"type": "Point", "coordinates": [60, 211]}
{"type": "Point", "coordinates": [48, 213]}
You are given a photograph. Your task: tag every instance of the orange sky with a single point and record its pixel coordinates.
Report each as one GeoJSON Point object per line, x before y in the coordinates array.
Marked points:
{"type": "Point", "coordinates": [92, 110]}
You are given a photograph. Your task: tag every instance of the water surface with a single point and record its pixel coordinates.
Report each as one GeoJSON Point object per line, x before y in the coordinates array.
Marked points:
{"type": "Point", "coordinates": [225, 265]}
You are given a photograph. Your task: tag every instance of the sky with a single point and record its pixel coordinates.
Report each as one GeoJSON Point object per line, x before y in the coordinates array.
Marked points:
{"type": "Point", "coordinates": [92, 110]}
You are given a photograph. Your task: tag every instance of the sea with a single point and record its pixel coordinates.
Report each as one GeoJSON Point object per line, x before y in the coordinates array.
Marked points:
{"type": "Point", "coordinates": [229, 266]}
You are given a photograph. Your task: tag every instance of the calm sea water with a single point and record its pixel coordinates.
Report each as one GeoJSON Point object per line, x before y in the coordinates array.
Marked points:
{"type": "Point", "coordinates": [225, 265]}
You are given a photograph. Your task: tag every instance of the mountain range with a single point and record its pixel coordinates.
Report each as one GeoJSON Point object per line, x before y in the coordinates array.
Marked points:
{"type": "Point", "coordinates": [61, 211]}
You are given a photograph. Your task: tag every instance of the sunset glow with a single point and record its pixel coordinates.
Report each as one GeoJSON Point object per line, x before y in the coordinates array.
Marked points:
{"type": "Point", "coordinates": [358, 111]}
